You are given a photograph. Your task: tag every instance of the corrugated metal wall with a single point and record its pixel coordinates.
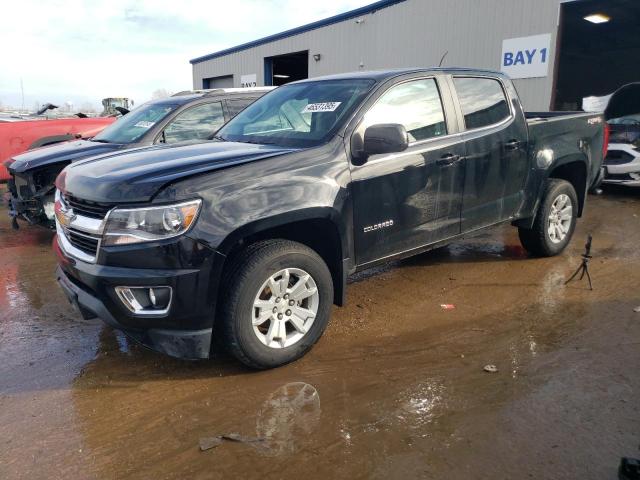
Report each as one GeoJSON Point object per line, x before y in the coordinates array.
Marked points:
{"type": "Point", "coordinates": [409, 34]}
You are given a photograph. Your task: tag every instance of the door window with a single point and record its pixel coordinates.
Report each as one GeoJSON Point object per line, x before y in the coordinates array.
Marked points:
{"type": "Point", "coordinates": [482, 100]}
{"type": "Point", "coordinates": [197, 123]}
{"type": "Point", "coordinates": [416, 105]}
{"type": "Point", "coordinates": [236, 105]}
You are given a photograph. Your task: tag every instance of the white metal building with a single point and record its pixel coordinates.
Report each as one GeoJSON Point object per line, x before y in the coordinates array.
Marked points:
{"type": "Point", "coordinates": [557, 51]}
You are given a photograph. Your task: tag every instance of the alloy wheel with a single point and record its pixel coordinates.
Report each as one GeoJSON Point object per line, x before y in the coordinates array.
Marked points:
{"type": "Point", "coordinates": [560, 218]}
{"type": "Point", "coordinates": [285, 308]}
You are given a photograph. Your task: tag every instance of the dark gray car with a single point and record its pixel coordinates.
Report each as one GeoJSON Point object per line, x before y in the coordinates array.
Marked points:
{"type": "Point", "coordinates": [184, 117]}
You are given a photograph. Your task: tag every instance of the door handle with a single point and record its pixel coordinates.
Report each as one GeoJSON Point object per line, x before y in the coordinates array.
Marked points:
{"type": "Point", "coordinates": [448, 159]}
{"type": "Point", "coordinates": [512, 145]}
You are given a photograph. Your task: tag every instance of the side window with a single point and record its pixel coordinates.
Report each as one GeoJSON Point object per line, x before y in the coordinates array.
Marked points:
{"type": "Point", "coordinates": [236, 105]}
{"type": "Point", "coordinates": [197, 123]}
{"type": "Point", "coordinates": [482, 100]}
{"type": "Point", "coordinates": [416, 105]}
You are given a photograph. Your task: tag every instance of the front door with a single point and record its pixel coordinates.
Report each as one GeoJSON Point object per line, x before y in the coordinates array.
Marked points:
{"type": "Point", "coordinates": [409, 199]}
{"type": "Point", "coordinates": [496, 151]}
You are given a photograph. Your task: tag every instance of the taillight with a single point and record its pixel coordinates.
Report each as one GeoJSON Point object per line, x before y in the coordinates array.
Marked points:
{"type": "Point", "coordinates": [605, 140]}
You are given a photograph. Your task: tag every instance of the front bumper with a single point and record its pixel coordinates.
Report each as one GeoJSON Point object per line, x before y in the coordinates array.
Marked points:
{"type": "Point", "coordinates": [184, 331]}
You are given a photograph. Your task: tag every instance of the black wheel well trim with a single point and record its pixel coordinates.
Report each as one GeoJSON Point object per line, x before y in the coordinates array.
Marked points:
{"type": "Point", "coordinates": [573, 169]}
{"type": "Point", "coordinates": [301, 226]}
{"type": "Point", "coordinates": [557, 170]}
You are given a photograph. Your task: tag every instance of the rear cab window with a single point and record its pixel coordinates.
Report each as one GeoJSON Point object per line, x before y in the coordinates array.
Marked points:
{"type": "Point", "coordinates": [482, 100]}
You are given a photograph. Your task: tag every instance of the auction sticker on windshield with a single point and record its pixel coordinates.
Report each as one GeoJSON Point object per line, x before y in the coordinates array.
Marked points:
{"type": "Point", "coordinates": [321, 107]}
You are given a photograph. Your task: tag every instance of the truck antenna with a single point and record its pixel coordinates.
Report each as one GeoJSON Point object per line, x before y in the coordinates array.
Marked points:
{"type": "Point", "coordinates": [442, 59]}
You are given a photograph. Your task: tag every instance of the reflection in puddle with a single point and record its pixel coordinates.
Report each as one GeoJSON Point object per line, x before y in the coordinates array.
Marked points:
{"type": "Point", "coordinates": [289, 415]}
{"type": "Point", "coordinates": [478, 249]}
{"type": "Point", "coordinates": [123, 343]}
{"type": "Point", "coordinates": [553, 290]}
{"type": "Point", "coordinates": [419, 404]}
{"type": "Point", "coordinates": [515, 359]}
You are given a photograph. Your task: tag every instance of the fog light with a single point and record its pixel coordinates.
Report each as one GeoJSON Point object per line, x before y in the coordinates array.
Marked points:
{"type": "Point", "coordinates": [160, 297]}
{"type": "Point", "coordinates": [145, 300]}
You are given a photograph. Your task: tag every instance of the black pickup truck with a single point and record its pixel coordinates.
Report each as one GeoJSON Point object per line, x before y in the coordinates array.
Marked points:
{"type": "Point", "coordinates": [250, 238]}
{"type": "Point", "coordinates": [183, 117]}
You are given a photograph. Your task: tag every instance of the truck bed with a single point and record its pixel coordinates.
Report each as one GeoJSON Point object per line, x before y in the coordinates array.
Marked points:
{"type": "Point", "coordinates": [548, 116]}
{"type": "Point", "coordinates": [563, 131]}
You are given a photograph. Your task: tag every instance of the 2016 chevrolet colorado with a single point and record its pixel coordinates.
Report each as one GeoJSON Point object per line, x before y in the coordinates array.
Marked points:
{"type": "Point", "coordinates": [251, 237]}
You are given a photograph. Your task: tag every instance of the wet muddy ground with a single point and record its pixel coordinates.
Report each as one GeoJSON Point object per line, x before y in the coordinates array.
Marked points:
{"type": "Point", "coordinates": [394, 389]}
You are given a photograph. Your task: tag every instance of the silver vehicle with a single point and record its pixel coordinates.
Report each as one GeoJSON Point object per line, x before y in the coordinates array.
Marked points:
{"type": "Point", "coordinates": [622, 163]}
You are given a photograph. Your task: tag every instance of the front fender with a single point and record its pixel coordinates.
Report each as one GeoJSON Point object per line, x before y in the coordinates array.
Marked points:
{"type": "Point", "coordinates": [266, 194]}
{"type": "Point", "coordinates": [281, 220]}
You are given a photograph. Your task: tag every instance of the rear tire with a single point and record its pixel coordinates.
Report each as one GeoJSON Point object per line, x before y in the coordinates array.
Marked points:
{"type": "Point", "coordinates": [555, 221]}
{"type": "Point", "coordinates": [276, 305]}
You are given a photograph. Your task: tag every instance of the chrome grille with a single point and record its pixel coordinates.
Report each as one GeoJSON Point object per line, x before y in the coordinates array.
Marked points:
{"type": "Point", "coordinates": [83, 241]}
{"type": "Point", "coordinates": [80, 225]}
{"type": "Point", "coordinates": [87, 208]}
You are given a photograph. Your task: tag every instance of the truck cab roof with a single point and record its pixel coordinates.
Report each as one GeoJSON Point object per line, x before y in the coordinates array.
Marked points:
{"type": "Point", "coordinates": [382, 75]}
{"type": "Point", "coordinates": [187, 96]}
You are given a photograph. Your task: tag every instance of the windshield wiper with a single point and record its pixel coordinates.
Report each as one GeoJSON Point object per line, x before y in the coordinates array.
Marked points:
{"type": "Point", "coordinates": [256, 143]}
{"type": "Point", "coordinates": [100, 140]}
{"type": "Point", "coordinates": [218, 137]}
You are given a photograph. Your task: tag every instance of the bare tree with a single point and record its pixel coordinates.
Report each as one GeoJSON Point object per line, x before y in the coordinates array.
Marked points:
{"type": "Point", "coordinates": [160, 93]}
{"type": "Point", "coordinates": [87, 107]}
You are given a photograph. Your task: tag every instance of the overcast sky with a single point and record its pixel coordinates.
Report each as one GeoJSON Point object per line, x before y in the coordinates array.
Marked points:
{"type": "Point", "coordinates": [83, 51]}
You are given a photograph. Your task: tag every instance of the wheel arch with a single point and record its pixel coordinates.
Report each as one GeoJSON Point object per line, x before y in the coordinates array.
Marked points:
{"type": "Point", "coordinates": [317, 228]}
{"type": "Point", "coordinates": [573, 169]}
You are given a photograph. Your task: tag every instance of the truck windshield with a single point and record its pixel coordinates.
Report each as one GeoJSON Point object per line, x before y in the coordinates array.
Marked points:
{"type": "Point", "coordinates": [135, 124]}
{"type": "Point", "coordinates": [297, 115]}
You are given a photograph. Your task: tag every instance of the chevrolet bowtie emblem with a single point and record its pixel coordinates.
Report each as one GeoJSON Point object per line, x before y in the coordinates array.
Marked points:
{"type": "Point", "coordinates": [70, 215]}
{"type": "Point", "coordinates": [65, 217]}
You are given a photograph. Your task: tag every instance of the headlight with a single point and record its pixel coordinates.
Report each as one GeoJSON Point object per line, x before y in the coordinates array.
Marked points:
{"type": "Point", "coordinates": [137, 225]}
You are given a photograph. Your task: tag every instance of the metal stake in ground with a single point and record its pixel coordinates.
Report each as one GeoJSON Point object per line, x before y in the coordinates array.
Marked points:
{"type": "Point", "coordinates": [583, 269]}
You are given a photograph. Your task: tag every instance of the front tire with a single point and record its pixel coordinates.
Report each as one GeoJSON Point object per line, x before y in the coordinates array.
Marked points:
{"type": "Point", "coordinates": [277, 303]}
{"type": "Point", "coordinates": [555, 221]}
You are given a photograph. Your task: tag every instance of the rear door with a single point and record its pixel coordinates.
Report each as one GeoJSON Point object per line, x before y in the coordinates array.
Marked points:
{"type": "Point", "coordinates": [409, 199]}
{"type": "Point", "coordinates": [496, 150]}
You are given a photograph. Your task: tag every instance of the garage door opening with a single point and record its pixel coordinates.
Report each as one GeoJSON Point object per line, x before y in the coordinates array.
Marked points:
{"type": "Point", "coordinates": [225, 81]}
{"type": "Point", "coordinates": [286, 68]}
{"type": "Point", "coordinates": [598, 54]}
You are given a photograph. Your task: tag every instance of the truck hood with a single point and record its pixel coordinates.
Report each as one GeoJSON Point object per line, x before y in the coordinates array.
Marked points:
{"type": "Point", "coordinates": [61, 152]}
{"type": "Point", "coordinates": [137, 175]}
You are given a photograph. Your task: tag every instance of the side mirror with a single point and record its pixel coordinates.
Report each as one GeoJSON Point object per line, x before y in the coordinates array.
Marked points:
{"type": "Point", "coordinates": [385, 138]}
